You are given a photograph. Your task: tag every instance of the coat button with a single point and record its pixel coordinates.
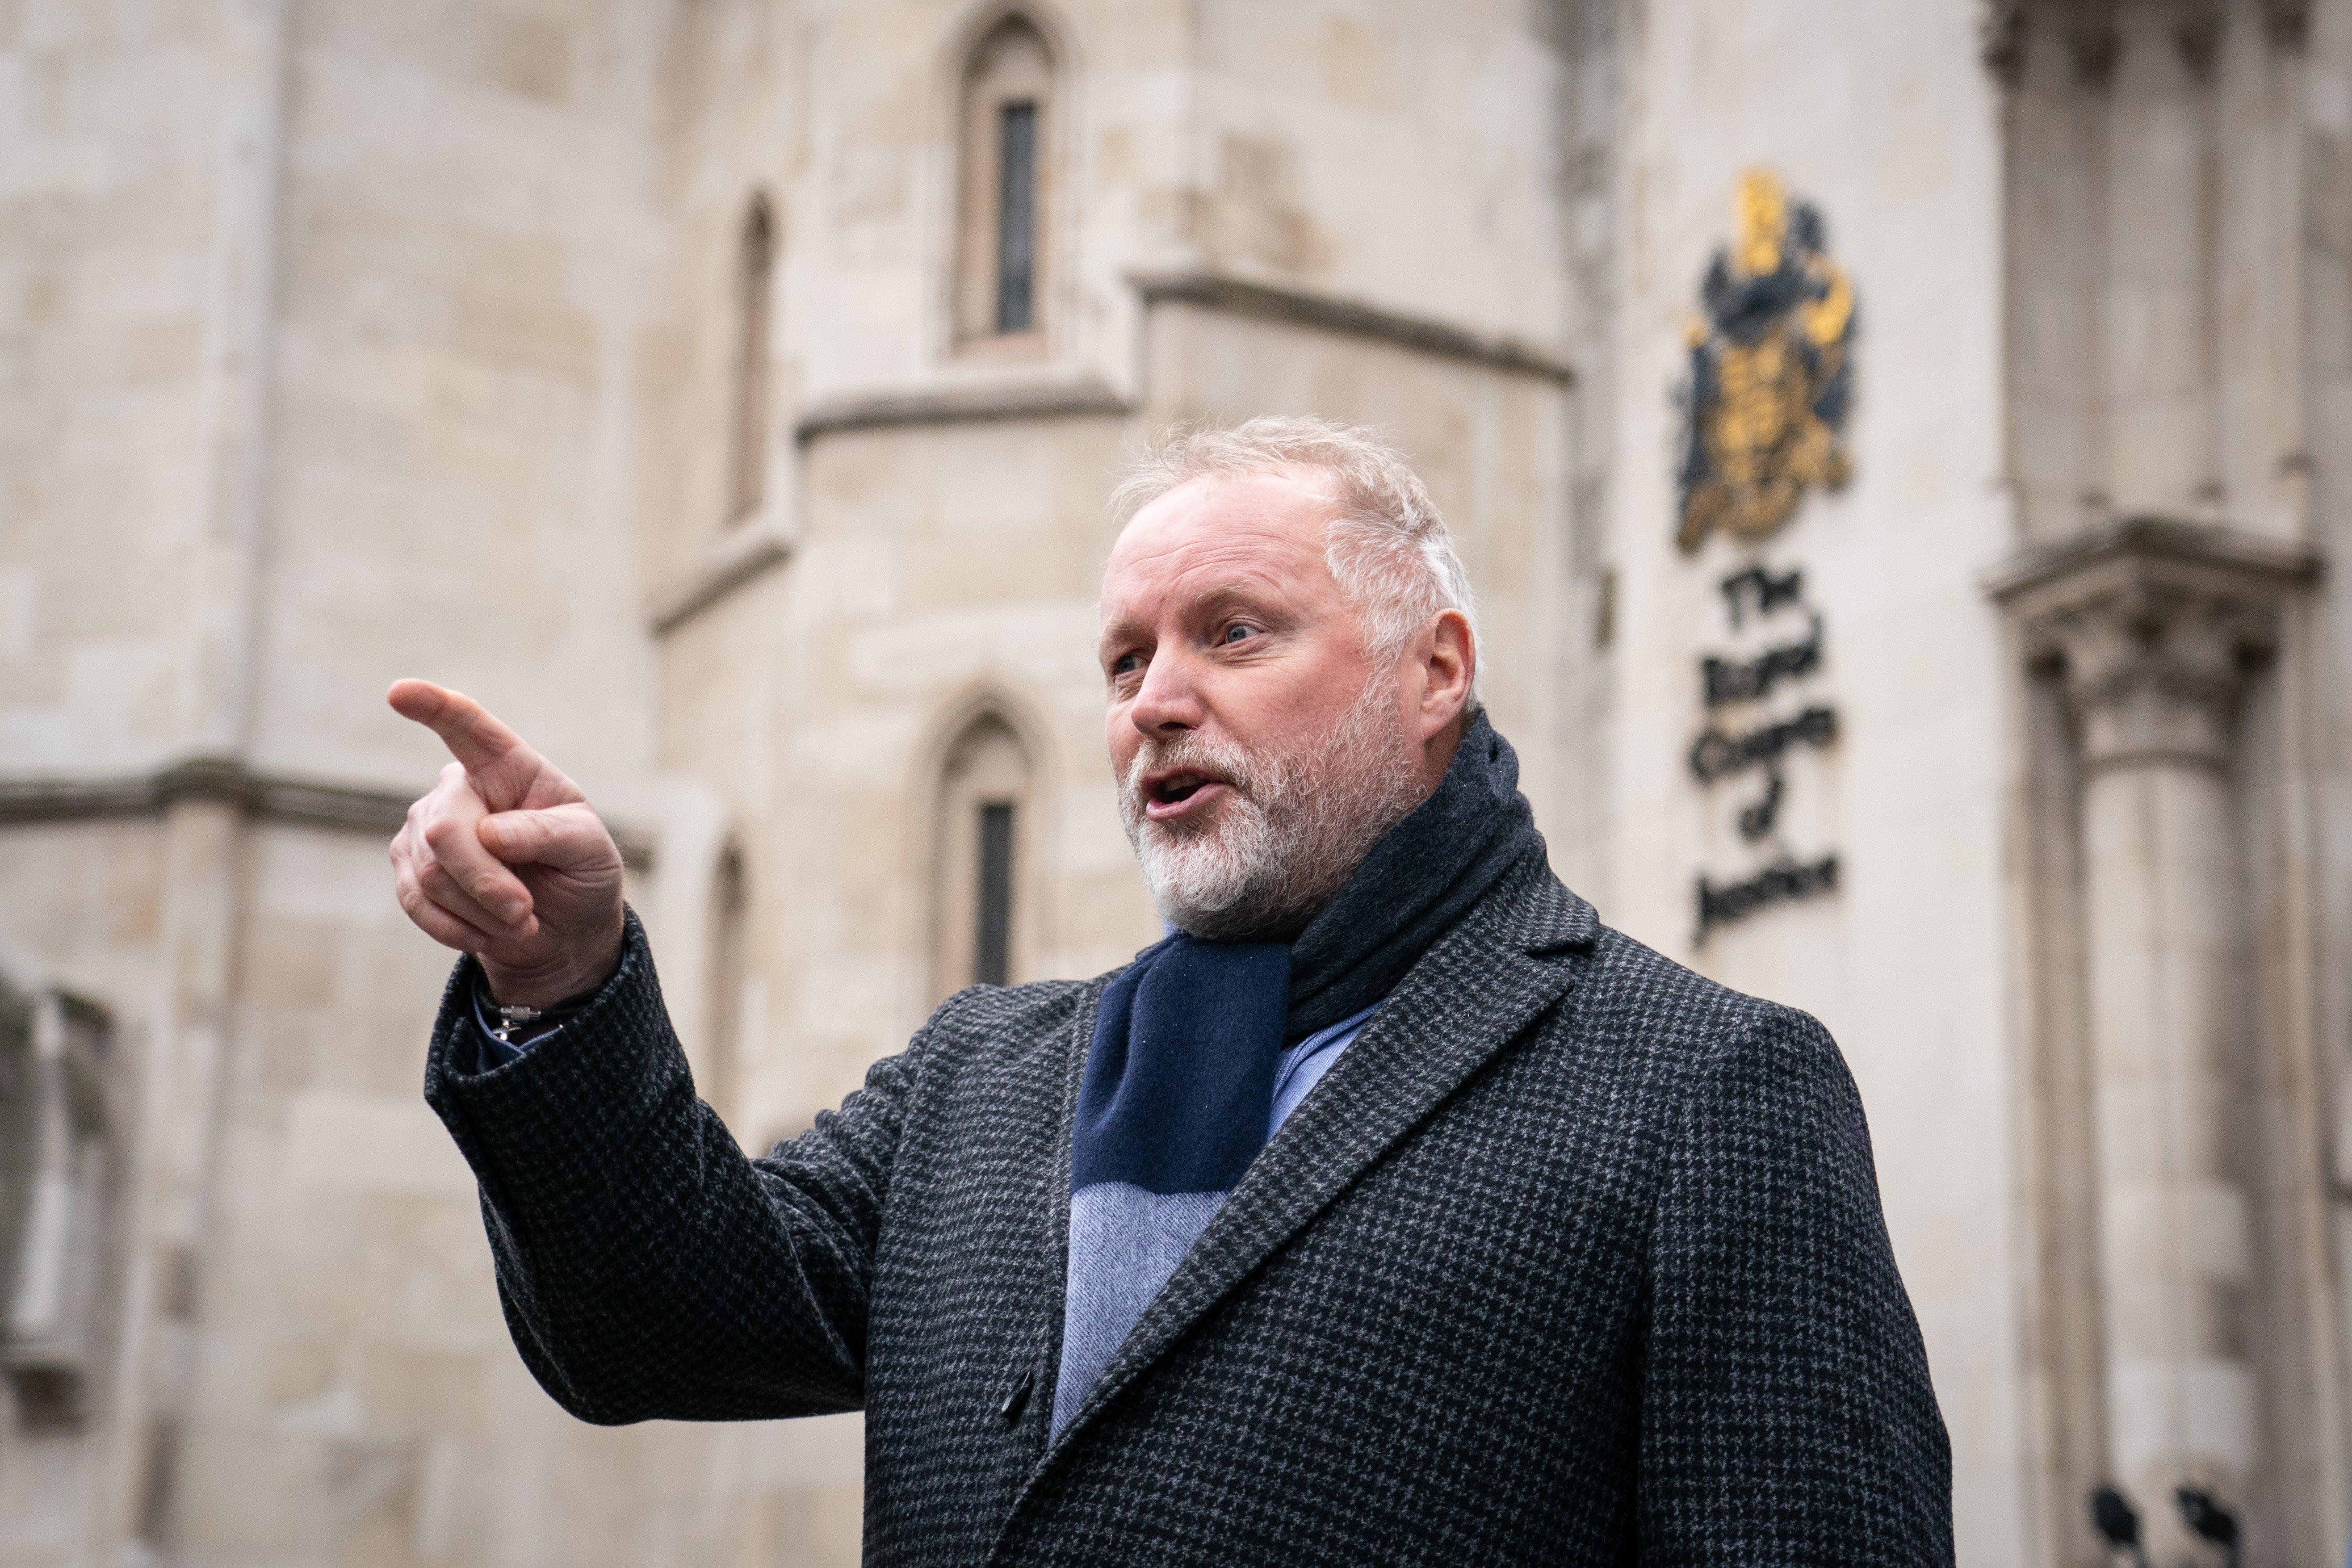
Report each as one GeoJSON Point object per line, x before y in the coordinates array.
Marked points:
{"type": "Point", "coordinates": [1018, 1399]}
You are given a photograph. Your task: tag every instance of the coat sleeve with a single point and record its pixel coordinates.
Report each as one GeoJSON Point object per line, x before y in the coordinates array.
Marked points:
{"type": "Point", "coordinates": [646, 1267]}
{"type": "Point", "coordinates": [1787, 1414]}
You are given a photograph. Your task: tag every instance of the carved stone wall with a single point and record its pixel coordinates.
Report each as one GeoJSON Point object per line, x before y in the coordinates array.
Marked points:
{"type": "Point", "coordinates": [2152, 258]}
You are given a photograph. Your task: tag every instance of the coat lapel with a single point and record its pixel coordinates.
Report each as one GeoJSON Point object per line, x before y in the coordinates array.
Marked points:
{"type": "Point", "coordinates": [1058, 1195]}
{"type": "Point", "coordinates": [1470, 995]}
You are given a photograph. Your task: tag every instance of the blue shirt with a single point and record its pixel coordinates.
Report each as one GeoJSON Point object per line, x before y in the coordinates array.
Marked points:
{"type": "Point", "coordinates": [1302, 1067]}
{"type": "Point", "coordinates": [495, 1050]}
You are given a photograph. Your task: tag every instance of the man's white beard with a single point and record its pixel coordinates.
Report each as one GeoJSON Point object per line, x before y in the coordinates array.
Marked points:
{"type": "Point", "coordinates": [1292, 827]}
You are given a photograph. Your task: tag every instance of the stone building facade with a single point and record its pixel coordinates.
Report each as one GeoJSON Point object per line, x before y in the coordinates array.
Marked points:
{"type": "Point", "coordinates": [727, 391]}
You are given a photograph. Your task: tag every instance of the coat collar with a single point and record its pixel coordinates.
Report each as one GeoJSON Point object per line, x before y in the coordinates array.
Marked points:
{"type": "Point", "coordinates": [1471, 994]}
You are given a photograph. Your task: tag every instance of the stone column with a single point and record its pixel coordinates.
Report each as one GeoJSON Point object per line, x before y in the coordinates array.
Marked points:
{"type": "Point", "coordinates": [2151, 676]}
{"type": "Point", "coordinates": [2152, 630]}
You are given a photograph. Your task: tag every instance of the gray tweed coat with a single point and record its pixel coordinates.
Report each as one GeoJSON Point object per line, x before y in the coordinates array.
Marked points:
{"type": "Point", "coordinates": [1574, 1257]}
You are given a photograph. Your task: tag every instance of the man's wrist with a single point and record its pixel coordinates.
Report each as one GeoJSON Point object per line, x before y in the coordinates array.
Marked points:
{"type": "Point", "coordinates": [512, 985]}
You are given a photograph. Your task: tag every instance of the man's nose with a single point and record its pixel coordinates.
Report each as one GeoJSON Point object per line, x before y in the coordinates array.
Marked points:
{"type": "Point", "coordinates": [1170, 698]}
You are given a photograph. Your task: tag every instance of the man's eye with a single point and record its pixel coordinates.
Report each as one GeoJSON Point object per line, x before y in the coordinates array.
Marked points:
{"type": "Point", "coordinates": [1126, 664]}
{"type": "Point", "coordinates": [1237, 632]}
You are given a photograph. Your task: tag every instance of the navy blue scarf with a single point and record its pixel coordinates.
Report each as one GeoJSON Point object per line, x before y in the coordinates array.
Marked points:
{"type": "Point", "coordinates": [1180, 1079]}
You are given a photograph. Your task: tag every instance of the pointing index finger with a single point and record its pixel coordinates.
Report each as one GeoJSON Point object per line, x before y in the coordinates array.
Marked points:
{"type": "Point", "coordinates": [471, 731]}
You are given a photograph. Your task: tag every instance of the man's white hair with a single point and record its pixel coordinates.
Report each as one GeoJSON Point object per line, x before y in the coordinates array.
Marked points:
{"type": "Point", "coordinates": [1387, 546]}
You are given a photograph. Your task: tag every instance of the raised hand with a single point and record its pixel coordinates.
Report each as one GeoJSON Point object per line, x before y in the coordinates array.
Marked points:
{"type": "Point", "coordinates": [506, 860]}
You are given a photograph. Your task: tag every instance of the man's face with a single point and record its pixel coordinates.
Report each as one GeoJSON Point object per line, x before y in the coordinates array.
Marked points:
{"type": "Point", "coordinates": [1260, 744]}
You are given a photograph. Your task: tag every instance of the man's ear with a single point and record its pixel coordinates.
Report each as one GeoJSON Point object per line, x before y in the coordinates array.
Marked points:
{"type": "Point", "coordinates": [1450, 667]}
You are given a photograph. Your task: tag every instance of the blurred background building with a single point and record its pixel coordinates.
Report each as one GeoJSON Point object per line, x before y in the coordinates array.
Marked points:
{"type": "Point", "coordinates": [1901, 450]}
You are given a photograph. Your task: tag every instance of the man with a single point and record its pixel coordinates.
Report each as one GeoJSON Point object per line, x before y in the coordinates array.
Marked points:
{"type": "Point", "coordinates": [1391, 1210]}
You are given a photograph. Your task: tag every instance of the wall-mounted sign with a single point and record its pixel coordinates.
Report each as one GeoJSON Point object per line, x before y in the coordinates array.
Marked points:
{"type": "Point", "coordinates": [1770, 381]}
{"type": "Point", "coordinates": [1770, 377]}
{"type": "Point", "coordinates": [1745, 740]}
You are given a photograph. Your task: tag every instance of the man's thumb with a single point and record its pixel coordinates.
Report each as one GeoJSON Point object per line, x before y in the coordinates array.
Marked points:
{"type": "Point", "coordinates": [568, 837]}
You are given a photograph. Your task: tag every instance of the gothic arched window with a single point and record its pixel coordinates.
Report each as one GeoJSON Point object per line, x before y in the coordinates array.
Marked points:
{"type": "Point", "coordinates": [747, 412]}
{"type": "Point", "coordinates": [984, 821]}
{"type": "Point", "coordinates": [1004, 180]}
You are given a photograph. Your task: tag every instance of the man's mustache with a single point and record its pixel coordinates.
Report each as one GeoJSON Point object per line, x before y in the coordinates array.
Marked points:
{"type": "Point", "coordinates": [1229, 764]}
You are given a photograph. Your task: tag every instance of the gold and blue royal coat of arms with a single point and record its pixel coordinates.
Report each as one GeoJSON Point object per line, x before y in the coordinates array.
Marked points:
{"type": "Point", "coordinates": [1769, 374]}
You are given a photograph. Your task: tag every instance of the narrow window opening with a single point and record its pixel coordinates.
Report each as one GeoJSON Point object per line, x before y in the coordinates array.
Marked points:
{"type": "Point", "coordinates": [747, 458]}
{"type": "Point", "coordinates": [984, 910]}
{"type": "Point", "coordinates": [1017, 219]}
{"type": "Point", "coordinates": [992, 962]}
{"type": "Point", "coordinates": [1004, 191]}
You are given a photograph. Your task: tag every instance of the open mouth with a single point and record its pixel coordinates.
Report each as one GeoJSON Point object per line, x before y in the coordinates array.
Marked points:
{"type": "Point", "coordinates": [1180, 794]}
